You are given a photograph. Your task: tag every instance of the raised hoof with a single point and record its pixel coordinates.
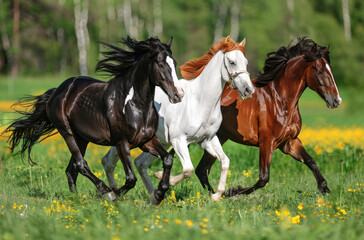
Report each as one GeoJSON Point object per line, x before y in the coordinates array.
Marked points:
{"type": "Point", "coordinates": [158, 175]}
{"type": "Point", "coordinates": [154, 200]}
{"type": "Point", "coordinates": [231, 192]}
{"type": "Point", "coordinates": [109, 196]}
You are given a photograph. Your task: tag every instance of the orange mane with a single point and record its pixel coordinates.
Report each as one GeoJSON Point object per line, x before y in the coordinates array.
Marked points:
{"type": "Point", "coordinates": [193, 68]}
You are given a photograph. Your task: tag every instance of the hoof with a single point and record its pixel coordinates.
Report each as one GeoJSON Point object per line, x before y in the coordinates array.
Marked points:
{"type": "Point", "coordinates": [109, 196]}
{"type": "Point", "coordinates": [154, 200]}
{"type": "Point", "coordinates": [324, 189]}
{"type": "Point", "coordinates": [158, 175]}
{"type": "Point", "coordinates": [215, 197]}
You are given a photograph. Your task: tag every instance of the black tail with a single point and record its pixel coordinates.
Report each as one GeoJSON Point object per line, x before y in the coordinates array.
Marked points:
{"type": "Point", "coordinates": [32, 125]}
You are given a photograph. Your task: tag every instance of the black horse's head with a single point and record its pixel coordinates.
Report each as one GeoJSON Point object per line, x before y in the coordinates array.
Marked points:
{"type": "Point", "coordinates": [156, 56]}
{"type": "Point", "coordinates": [163, 71]}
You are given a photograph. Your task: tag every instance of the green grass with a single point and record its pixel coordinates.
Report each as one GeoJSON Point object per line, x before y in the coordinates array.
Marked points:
{"type": "Point", "coordinates": [86, 216]}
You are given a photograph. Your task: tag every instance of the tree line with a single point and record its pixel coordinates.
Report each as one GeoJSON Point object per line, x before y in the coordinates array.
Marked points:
{"type": "Point", "coordinates": [61, 36]}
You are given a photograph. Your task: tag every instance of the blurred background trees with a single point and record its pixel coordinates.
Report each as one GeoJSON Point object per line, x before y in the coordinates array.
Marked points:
{"type": "Point", "coordinates": [61, 36]}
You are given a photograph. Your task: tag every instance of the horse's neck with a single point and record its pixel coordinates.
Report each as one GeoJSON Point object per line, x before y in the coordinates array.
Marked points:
{"type": "Point", "coordinates": [291, 83]}
{"type": "Point", "coordinates": [208, 86]}
{"type": "Point", "coordinates": [142, 86]}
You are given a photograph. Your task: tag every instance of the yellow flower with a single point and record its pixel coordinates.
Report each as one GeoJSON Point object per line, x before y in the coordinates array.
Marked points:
{"type": "Point", "coordinates": [205, 220]}
{"type": "Point", "coordinates": [198, 195]}
{"type": "Point", "coordinates": [204, 231]}
{"type": "Point", "coordinates": [278, 213]}
{"type": "Point", "coordinates": [178, 221]}
{"type": "Point", "coordinates": [318, 150]}
{"type": "Point", "coordinates": [189, 223]}
{"type": "Point", "coordinates": [300, 207]}
{"type": "Point", "coordinates": [319, 200]}
{"type": "Point", "coordinates": [296, 219]}
{"type": "Point", "coordinates": [146, 229]}
{"type": "Point", "coordinates": [286, 212]}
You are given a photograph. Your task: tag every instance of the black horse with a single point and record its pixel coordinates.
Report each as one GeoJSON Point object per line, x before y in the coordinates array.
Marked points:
{"type": "Point", "coordinates": [118, 113]}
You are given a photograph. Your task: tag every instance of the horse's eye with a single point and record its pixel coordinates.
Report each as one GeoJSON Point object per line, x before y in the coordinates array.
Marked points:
{"type": "Point", "coordinates": [231, 62]}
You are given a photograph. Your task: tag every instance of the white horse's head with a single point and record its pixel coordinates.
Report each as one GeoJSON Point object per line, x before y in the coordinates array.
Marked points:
{"type": "Point", "coordinates": [235, 70]}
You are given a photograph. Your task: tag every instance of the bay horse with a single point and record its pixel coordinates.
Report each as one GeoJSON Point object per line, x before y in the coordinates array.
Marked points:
{"type": "Point", "coordinates": [271, 118]}
{"type": "Point", "coordinates": [117, 113]}
{"type": "Point", "coordinates": [198, 117]}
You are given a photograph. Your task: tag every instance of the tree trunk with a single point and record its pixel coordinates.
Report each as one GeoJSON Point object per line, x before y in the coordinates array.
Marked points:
{"type": "Point", "coordinates": [157, 15]}
{"type": "Point", "coordinates": [346, 17]}
{"type": "Point", "coordinates": [16, 39]}
{"type": "Point", "coordinates": [220, 22]}
{"type": "Point", "coordinates": [235, 15]}
{"type": "Point", "coordinates": [81, 18]}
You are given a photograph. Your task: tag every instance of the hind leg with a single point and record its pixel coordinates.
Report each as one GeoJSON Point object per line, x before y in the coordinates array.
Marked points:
{"type": "Point", "coordinates": [81, 165]}
{"type": "Point", "coordinates": [109, 162]}
{"type": "Point", "coordinates": [214, 147]}
{"type": "Point", "coordinates": [204, 167]}
{"type": "Point", "coordinates": [71, 170]}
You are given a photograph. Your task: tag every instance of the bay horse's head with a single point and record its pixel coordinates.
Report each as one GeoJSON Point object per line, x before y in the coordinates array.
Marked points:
{"type": "Point", "coordinates": [163, 71]}
{"type": "Point", "coordinates": [319, 76]}
{"type": "Point", "coordinates": [235, 68]}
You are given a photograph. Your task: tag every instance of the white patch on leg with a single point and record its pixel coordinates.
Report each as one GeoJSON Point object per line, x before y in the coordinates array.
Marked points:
{"type": "Point", "coordinates": [128, 98]}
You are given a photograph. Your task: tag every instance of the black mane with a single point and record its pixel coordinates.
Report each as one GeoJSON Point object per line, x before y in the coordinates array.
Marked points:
{"type": "Point", "coordinates": [117, 61]}
{"type": "Point", "coordinates": [277, 61]}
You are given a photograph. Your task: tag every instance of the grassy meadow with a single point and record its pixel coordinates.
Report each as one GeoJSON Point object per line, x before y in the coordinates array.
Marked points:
{"type": "Point", "coordinates": [35, 202]}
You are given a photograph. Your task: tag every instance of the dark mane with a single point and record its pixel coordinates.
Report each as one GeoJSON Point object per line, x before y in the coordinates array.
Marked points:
{"type": "Point", "coordinates": [277, 61]}
{"type": "Point", "coordinates": [117, 61]}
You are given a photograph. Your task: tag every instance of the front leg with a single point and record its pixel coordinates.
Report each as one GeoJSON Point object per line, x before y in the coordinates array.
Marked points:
{"type": "Point", "coordinates": [265, 157]}
{"type": "Point", "coordinates": [155, 148]}
{"type": "Point", "coordinates": [214, 147]}
{"type": "Point", "coordinates": [124, 155]}
{"type": "Point", "coordinates": [295, 148]}
{"type": "Point", "coordinates": [204, 167]}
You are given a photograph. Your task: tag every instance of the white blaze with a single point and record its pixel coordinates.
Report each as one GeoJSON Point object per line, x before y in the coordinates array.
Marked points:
{"type": "Point", "coordinates": [128, 98]}
{"type": "Point", "coordinates": [170, 62]}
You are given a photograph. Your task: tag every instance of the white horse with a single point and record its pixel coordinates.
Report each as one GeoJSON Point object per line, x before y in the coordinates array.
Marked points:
{"type": "Point", "coordinates": [198, 117]}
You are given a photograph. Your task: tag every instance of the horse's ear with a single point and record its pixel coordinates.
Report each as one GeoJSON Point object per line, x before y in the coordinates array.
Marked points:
{"type": "Point", "coordinates": [152, 45]}
{"type": "Point", "coordinates": [169, 43]}
{"type": "Point", "coordinates": [314, 48]}
{"type": "Point", "coordinates": [243, 42]}
{"type": "Point", "coordinates": [227, 39]}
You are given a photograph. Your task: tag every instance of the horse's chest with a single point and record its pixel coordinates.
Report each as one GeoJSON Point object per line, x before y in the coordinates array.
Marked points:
{"type": "Point", "coordinates": [141, 128]}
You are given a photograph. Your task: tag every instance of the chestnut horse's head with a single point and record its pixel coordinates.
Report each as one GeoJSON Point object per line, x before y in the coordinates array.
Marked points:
{"type": "Point", "coordinates": [319, 76]}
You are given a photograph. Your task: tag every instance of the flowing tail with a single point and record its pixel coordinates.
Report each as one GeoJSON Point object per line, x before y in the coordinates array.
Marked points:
{"type": "Point", "coordinates": [32, 125]}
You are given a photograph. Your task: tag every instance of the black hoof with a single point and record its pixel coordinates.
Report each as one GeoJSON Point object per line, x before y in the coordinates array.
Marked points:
{"type": "Point", "coordinates": [233, 191]}
{"type": "Point", "coordinates": [156, 199]}
{"type": "Point", "coordinates": [324, 189]}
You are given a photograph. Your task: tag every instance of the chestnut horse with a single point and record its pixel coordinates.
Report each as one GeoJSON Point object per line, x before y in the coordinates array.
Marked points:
{"type": "Point", "coordinates": [118, 113]}
{"type": "Point", "coordinates": [271, 119]}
